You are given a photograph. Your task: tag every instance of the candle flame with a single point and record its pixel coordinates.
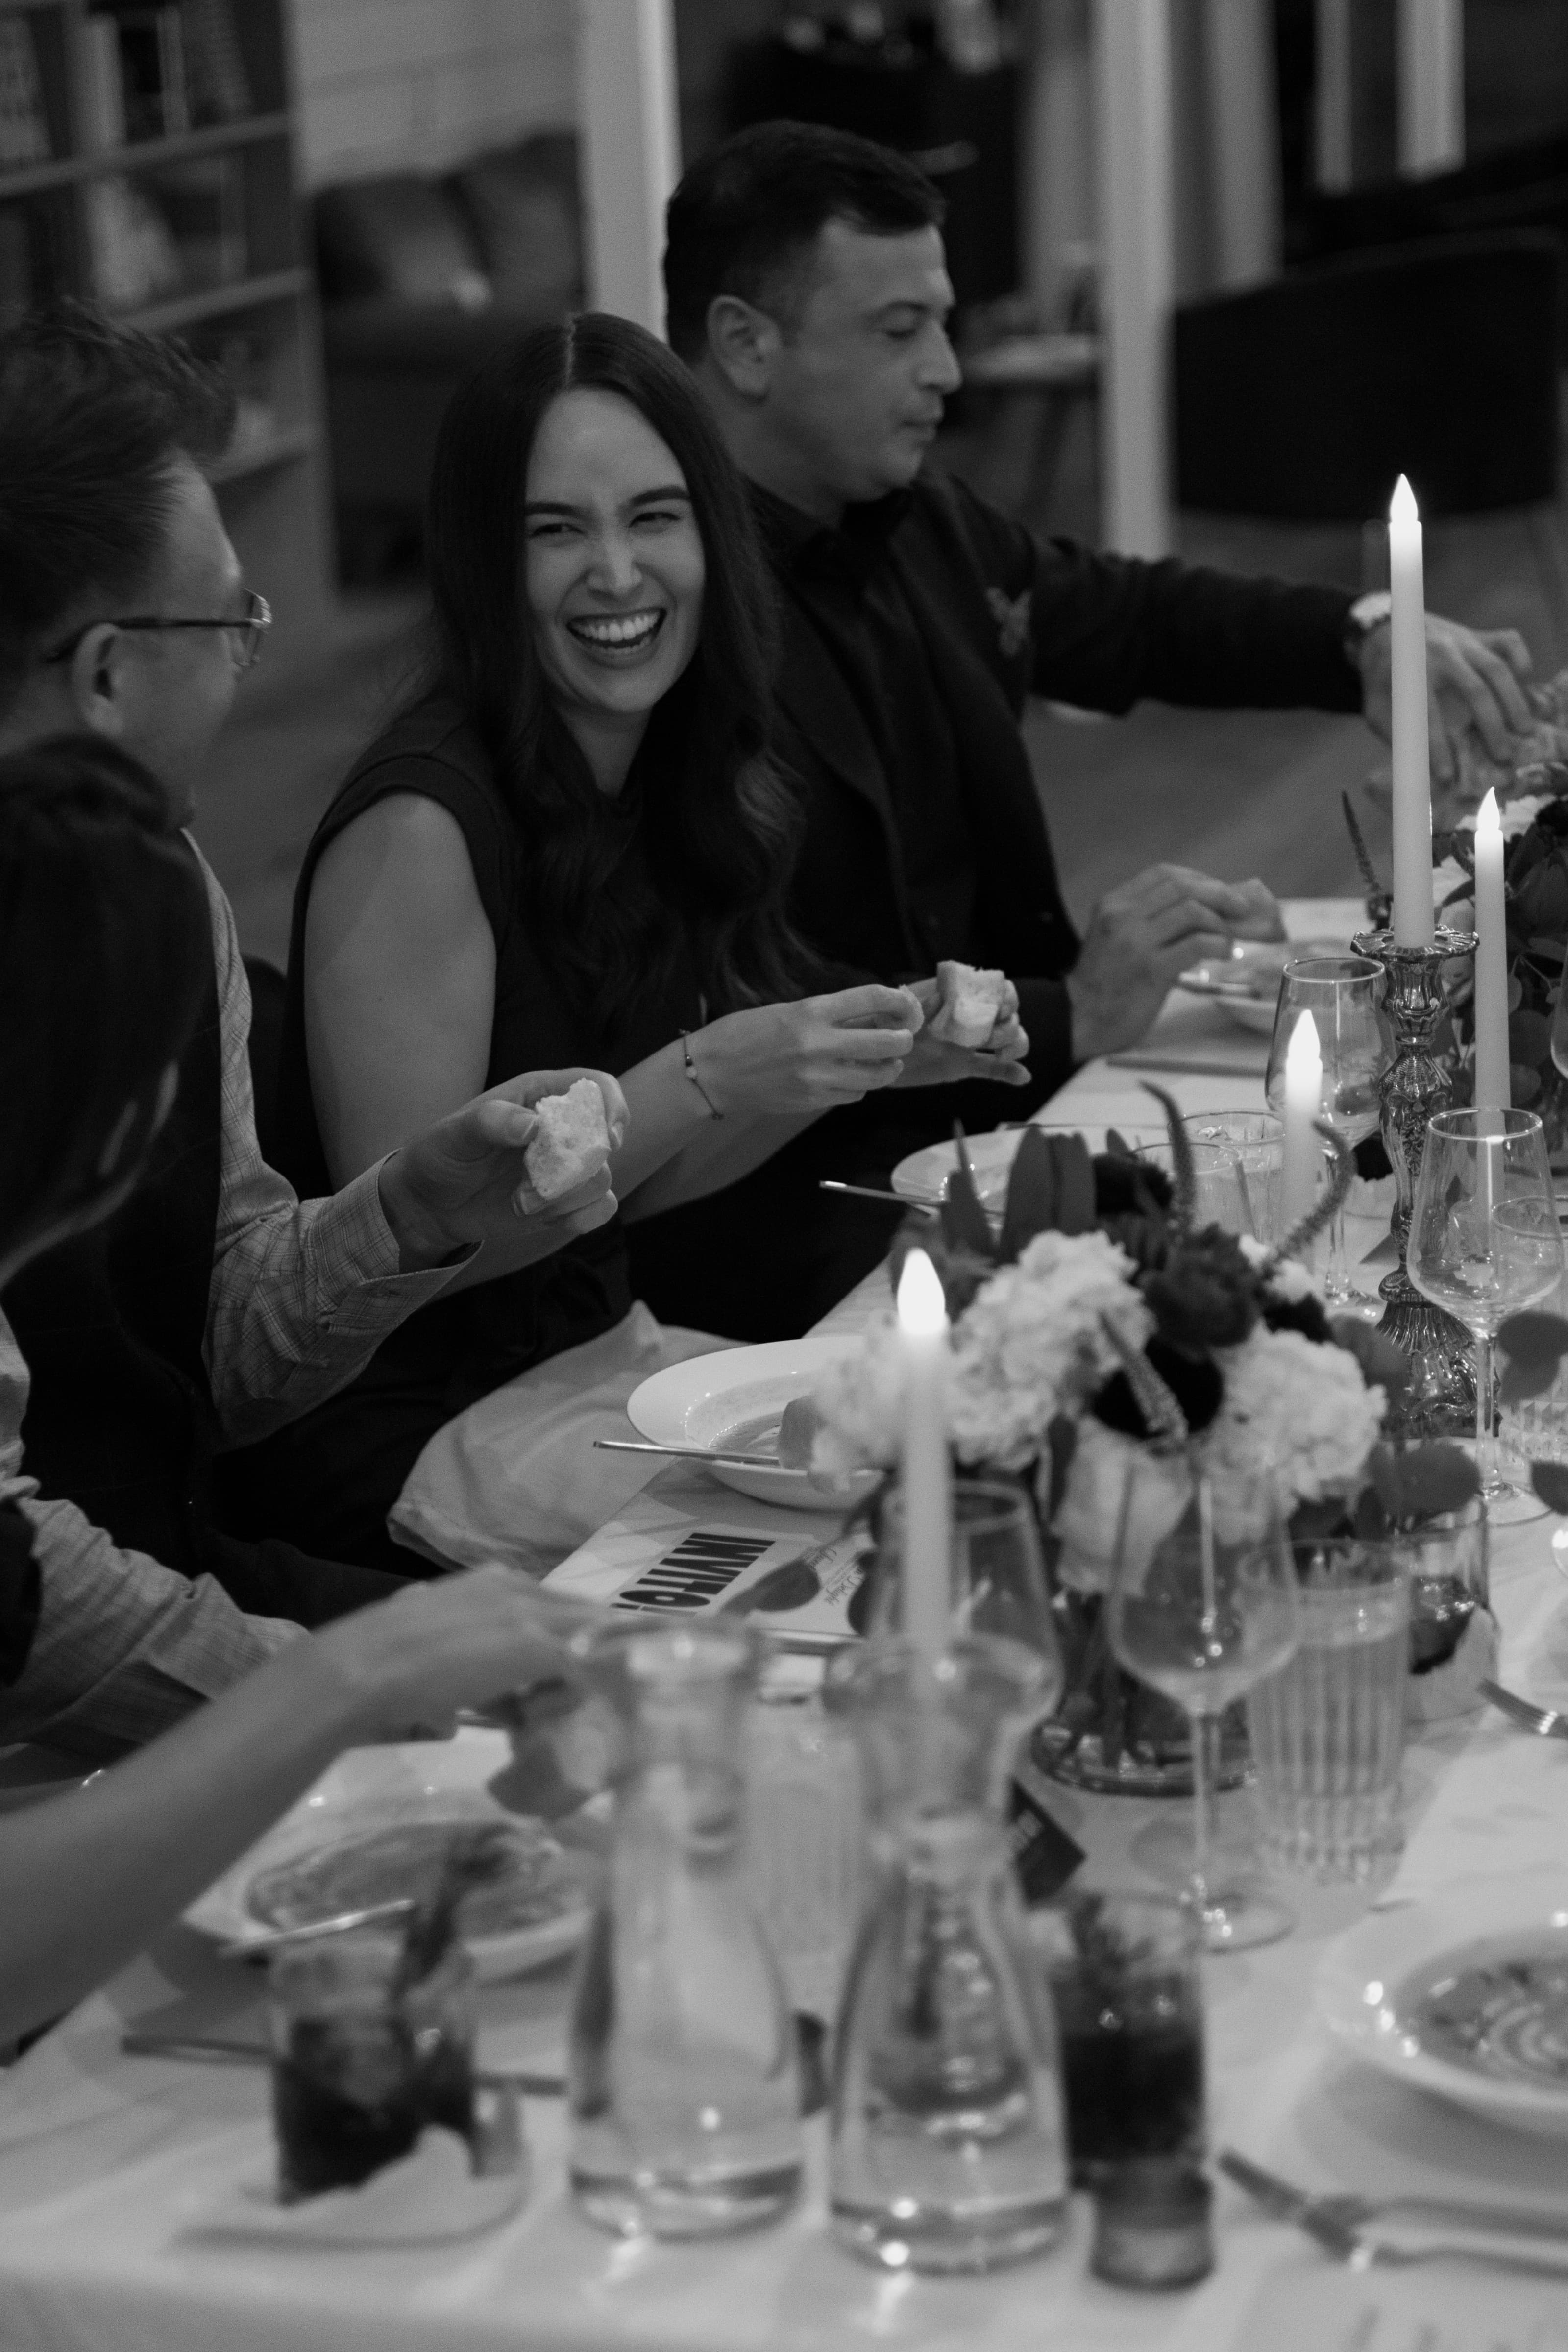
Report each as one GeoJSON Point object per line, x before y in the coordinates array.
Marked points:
{"type": "Point", "coordinates": [1402, 507]}
{"type": "Point", "coordinates": [1487, 818]}
{"type": "Point", "coordinates": [1303, 1052]}
{"type": "Point", "coordinates": [922, 1308]}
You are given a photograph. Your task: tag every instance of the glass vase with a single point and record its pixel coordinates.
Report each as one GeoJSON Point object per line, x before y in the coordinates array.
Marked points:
{"type": "Point", "coordinates": [948, 2146]}
{"type": "Point", "coordinates": [1111, 1734]}
{"type": "Point", "coordinates": [683, 2083]}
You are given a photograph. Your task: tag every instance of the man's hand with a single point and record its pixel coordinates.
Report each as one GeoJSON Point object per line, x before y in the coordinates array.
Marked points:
{"type": "Point", "coordinates": [1472, 680]}
{"type": "Point", "coordinates": [936, 1062]}
{"type": "Point", "coordinates": [1145, 932]}
{"type": "Point", "coordinates": [463, 1180]}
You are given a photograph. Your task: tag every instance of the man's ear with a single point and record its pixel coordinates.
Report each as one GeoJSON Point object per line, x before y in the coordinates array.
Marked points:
{"type": "Point", "coordinates": [97, 680]}
{"type": "Point", "coordinates": [743, 343]}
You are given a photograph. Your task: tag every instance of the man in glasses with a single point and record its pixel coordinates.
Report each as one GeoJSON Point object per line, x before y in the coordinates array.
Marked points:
{"type": "Point", "coordinates": [214, 1305]}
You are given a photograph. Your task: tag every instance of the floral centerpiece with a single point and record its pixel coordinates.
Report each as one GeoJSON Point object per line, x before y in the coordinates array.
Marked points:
{"type": "Point", "coordinates": [1100, 1321]}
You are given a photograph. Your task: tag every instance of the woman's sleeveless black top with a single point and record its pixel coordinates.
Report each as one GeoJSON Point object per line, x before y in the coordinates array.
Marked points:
{"type": "Point", "coordinates": [459, 1349]}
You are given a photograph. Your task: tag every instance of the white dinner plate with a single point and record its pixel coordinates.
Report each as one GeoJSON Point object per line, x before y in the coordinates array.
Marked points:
{"type": "Point", "coordinates": [923, 1175]}
{"type": "Point", "coordinates": [376, 1788]}
{"type": "Point", "coordinates": [1401, 1992]}
{"type": "Point", "coordinates": [1247, 981]}
{"type": "Point", "coordinates": [731, 1402]}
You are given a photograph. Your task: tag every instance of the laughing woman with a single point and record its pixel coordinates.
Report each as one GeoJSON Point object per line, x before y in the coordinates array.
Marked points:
{"type": "Point", "coordinates": [573, 837]}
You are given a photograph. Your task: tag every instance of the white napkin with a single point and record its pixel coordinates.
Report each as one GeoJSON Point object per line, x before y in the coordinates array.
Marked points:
{"type": "Point", "coordinates": [429, 2195]}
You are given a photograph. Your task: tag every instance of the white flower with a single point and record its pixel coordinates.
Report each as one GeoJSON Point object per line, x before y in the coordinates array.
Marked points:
{"type": "Point", "coordinates": [1289, 1281]}
{"type": "Point", "coordinates": [1303, 1408]}
{"type": "Point", "coordinates": [860, 1396]}
{"type": "Point", "coordinates": [1033, 1344]}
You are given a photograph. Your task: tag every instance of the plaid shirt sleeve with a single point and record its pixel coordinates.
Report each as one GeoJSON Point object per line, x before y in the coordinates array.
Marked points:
{"type": "Point", "coordinates": [303, 1292]}
{"type": "Point", "coordinates": [124, 1648]}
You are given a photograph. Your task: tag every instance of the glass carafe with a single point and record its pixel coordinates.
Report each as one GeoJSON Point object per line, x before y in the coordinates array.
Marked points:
{"type": "Point", "coordinates": [684, 2094]}
{"type": "Point", "coordinates": [949, 2152]}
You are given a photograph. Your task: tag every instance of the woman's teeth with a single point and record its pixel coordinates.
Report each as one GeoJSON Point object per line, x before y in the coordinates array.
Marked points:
{"type": "Point", "coordinates": [620, 632]}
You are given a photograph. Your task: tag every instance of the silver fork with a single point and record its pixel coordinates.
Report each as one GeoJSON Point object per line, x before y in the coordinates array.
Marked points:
{"type": "Point", "coordinates": [1546, 1720]}
{"type": "Point", "coordinates": [1359, 2253]}
{"type": "Point", "coordinates": [1342, 2210]}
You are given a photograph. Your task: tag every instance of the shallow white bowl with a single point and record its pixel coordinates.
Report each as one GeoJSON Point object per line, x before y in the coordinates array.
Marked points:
{"type": "Point", "coordinates": [373, 1788]}
{"type": "Point", "coordinates": [706, 1400]}
{"type": "Point", "coordinates": [1369, 1981]}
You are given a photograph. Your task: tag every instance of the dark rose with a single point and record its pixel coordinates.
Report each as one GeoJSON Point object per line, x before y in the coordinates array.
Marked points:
{"type": "Point", "coordinates": [1304, 1315]}
{"type": "Point", "coordinates": [1193, 1381]}
{"type": "Point", "coordinates": [1553, 818]}
{"type": "Point", "coordinates": [1206, 1294]}
{"type": "Point", "coordinates": [1123, 1185]}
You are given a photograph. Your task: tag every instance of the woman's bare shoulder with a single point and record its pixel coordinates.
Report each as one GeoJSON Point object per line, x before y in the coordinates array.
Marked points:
{"type": "Point", "coordinates": [400, 866]}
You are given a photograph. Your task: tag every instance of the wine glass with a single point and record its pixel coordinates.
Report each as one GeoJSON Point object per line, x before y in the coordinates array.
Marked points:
{"type": "Point", "coordinates": [1202, 1605]}
{"type": "Point", "coordinates": [1485, 1242]}
{"type": "Point", "coordinates": [1342, 994]}
{"type": "Point", "coordinates": [998, 1576]}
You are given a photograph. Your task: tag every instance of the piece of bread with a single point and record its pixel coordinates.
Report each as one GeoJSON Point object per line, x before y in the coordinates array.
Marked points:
{"type": "Point", "coordinates": [571, 1140]}
{"type": "Point", "coordinates": [971, 1002]}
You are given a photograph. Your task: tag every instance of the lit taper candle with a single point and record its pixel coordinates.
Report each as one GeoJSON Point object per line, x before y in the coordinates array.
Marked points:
{"type": "Point", "coordinates": [1303, 1145]}
{"type": "Point", "coordinates": [927, 1471]}
{"type": "Point", "coordinates": [1492, 1086]}
{"type": "Point", "coordinates": [1412, 762]}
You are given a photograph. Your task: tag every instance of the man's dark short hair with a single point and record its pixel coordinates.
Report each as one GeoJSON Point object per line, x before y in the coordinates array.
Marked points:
{"type": "Point", "coordinates": [92, 417]}
{"type": "Point", "coordinates": [745, 219]}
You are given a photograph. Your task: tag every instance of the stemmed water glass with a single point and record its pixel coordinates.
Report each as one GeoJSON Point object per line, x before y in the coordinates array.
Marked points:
{"type": "Point", "coordinates": [1202, 1606]}
{"type": "Point", "coordinates": [1342, 994]}
{"type": "Point", "coordinates": [1485, 1242]}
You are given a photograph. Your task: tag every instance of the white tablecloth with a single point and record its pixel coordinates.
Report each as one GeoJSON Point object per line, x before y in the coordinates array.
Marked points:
{"type": "Point", "coordinates": [108, 2165]}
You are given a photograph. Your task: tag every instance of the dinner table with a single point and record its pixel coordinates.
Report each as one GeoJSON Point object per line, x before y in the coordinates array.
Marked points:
{"type": "Point", "coordinates": [117, 2170]}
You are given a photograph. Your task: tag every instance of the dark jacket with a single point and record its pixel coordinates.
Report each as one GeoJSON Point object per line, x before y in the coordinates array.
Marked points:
{"type": "Point", "coordinates": [1004, 615]}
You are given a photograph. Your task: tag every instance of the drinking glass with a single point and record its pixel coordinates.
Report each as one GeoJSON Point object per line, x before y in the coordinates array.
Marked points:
{"type": "Point", "coordinates": [1202, 1605]}
{"type": "Point", "coordinates": [1254, 1142]}
{"type": "Point", "coordinates": [1219, 1187]}
{"type": "Point", "coordinates": [1342, 994]}
{"type": "Point", "coordinates": [998, 1575]}
{"type": "Point", "coordinates": [1124, 1974]}
{"type": "Point", "coordinates": [1485, 1242]}
{"type": "Point", "coordinates": [362, 2064]}
{"type": "Point", "coordinates": [1328, 1727]}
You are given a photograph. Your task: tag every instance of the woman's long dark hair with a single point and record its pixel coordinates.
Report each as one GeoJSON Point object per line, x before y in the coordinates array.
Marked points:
{"type": "Point", "coordinates": [105, 949]}
{"type": "Point", "coordinates": [716, 824]}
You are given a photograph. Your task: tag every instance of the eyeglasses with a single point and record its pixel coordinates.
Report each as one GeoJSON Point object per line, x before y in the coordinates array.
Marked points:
{"type": "Point", "coordinates": [245, 635]}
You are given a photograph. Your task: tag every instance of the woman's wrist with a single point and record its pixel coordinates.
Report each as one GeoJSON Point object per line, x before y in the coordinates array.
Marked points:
{"type": "Point", "coordinates": [698, 1077]}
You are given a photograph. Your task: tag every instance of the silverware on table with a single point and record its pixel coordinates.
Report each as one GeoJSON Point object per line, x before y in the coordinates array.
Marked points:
{"type": "Point", "coordinates": [873, 1193]}
{"type": "Point", "coordinates": [222, 2050]}
{"type": "Point", "coordinates": [1359, 2252]}
{"type": "Point", "coordinates": [1344, 2210]}
{"type": "Point", "coordinates": [276, 1939]}
{"type": "Point", "coordinates": [1545, 1720]}
{"type": "Point", "coordinates": [691, 1453]}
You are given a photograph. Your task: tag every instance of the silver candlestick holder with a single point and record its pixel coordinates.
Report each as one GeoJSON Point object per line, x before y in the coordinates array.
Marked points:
{"type": "Point", "coordinates": [1441, 1397]}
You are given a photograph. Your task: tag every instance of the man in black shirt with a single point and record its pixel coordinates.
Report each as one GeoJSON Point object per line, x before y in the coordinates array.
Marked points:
{"type": "Point", "coordinates": [807, 290]}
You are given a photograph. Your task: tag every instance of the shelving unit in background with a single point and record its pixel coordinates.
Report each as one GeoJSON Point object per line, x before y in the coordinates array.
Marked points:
{"type": "Point", "coordinates": [156, 177]}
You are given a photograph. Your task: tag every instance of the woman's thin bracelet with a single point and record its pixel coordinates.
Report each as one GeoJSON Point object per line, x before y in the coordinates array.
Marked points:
{"type": "Point", "coordinates": [713, 1109]}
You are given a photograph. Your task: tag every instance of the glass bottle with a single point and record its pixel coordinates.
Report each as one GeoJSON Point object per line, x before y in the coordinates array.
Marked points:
{"type": "Point", "coordinates": [684, 2097]}
{"type": "Point", "coordinates": [948, 2147]}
